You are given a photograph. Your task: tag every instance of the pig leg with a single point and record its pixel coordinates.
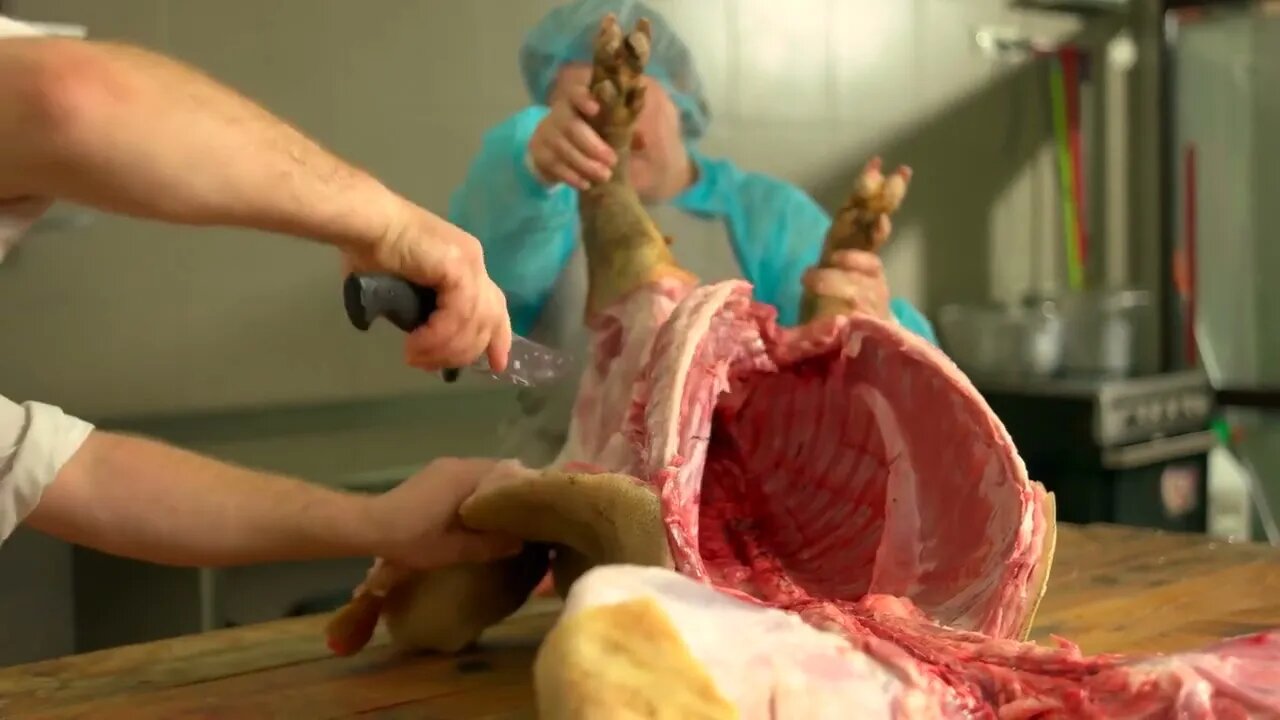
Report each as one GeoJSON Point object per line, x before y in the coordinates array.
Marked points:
{"type": "Point", "coordinates": [443, 610]}
{"type": "Point", "coordinates": [590, 518]}
{"type": "Point", "coordinates": [625, 251]}
{"type": "Point", "coordinates": [861, 224]}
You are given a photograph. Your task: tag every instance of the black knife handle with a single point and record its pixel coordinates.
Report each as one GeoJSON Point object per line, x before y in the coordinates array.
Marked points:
{"type": "Point", "coordinates": [369, 296]}
{"type": "Point", "coordinates": [405, 304]}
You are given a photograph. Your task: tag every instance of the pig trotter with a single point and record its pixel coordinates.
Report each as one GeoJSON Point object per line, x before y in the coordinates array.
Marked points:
{"type": "Point", "coordinates": [861, 224]}
{"type": "Point", "coordinates": [353, 625]}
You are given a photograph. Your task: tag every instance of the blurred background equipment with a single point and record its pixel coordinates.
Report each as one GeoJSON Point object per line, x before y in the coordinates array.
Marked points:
{"type": "Point", "coordinates": [1170, 336]}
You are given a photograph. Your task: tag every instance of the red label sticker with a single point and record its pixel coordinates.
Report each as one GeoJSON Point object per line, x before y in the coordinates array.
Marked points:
{"type": "Point", "coordinates": [1178, 489]}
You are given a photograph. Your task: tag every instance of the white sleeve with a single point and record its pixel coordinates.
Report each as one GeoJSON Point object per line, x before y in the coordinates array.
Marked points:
{"type": "Point", "coordinates": [12, 28]}
{"type": "Point", "coordinates": [36, 440]}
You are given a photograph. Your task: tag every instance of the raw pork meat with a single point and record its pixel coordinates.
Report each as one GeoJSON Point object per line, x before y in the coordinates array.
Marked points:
{"type": "Point", "coordinates": [819, 510]}
{"type": "Point", "coordinates": [647, 642]}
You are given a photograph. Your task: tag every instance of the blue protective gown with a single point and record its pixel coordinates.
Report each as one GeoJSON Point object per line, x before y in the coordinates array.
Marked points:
{"type": "Point", "coordinates": [529, 231]}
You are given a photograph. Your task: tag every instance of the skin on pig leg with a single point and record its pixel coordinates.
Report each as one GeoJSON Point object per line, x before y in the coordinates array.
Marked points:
{"type": "Point", "coordinates": [447, 610]}
{"type": "Point", "coordinates": [591, 518]}
{"type": "Point", "coordinates": [624, 248]}
{"type": "Point", "coordinates": [443, 610]}
{"type": "Point", "coordinates": [861, 224]}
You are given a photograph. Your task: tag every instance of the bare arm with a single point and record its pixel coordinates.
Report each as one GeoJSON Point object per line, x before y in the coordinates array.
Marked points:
{"type": "Point", "coordinates": [129, 131]}
{"type": "Point", "coordinates": [145, 500]}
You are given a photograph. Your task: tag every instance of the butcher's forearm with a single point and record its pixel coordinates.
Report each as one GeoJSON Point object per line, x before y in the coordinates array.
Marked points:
{"type": "Point", "coordinates": [129, 131]}
{"type": "Point", "coordinates": [141, 499]}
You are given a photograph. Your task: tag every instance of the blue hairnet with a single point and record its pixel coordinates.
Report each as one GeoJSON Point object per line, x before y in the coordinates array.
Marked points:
{"type": "Point", "coordinates": [568, 33]}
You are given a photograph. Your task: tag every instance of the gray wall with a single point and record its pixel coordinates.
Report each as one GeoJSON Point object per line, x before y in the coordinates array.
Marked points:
{"type": "Point", "coordinates": [129, 317]}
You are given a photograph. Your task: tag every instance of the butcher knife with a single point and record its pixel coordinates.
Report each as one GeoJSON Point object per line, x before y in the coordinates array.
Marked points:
{"type": "Point", "coordinates": [407, 305]}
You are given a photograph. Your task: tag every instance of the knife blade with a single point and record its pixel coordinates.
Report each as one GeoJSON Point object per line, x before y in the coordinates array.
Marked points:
{"type": "Point", "coordinates": [408, 306]}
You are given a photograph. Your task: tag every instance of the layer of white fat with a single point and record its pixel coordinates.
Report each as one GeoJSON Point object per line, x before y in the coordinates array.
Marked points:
{"type": "Point", "coordinates": [1008, 604]}
{"type": "Point", "coordinates": [605, 394]}
{"type": "Point", "coordinates": [766, 662]}
{"type": "Point", "coordinates": [692, 320]}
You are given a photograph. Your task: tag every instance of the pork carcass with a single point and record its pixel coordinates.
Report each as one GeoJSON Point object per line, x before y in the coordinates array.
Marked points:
{"type": "Point", "coordinates": [777, 516]}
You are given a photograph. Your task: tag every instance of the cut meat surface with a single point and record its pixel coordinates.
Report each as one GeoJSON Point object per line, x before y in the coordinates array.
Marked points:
{"type": "Point", "coordinates": [752, 521]}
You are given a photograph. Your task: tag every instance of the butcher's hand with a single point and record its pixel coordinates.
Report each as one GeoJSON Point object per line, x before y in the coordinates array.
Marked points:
{"type": "Point", "coordinates": [418, 525]}
{"type": "Point", "coordinates": [471, 317]}
{"type": "Point", "coordinates": [565, 149]}
{"type": "Point", "coordinates": [855, 277]}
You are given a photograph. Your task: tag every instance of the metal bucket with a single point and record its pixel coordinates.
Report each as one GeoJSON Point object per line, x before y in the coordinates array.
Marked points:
{"type": "Point", "coordinates": [1002, 341]}
{"type": "Point", "coordinates": [1102, 330]}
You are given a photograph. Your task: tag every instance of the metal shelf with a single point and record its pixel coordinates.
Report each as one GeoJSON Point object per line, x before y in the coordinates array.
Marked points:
{"type": "Point", "coordinates": [1077, 6]}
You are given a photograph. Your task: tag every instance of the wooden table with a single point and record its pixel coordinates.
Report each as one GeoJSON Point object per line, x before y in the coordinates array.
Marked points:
{"type": "Point", "coordinates": [1112, 589]}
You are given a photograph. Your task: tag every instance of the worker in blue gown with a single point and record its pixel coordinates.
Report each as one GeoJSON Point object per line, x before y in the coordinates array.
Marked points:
{"type": "Point", "coordinates": [520, 199]}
